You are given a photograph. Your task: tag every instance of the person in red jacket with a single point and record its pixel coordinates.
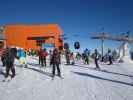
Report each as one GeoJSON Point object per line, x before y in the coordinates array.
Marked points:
{"type": "Point", "coordinates": [44, 54]}
{"type": "Point", "coordinates": [42, 57]}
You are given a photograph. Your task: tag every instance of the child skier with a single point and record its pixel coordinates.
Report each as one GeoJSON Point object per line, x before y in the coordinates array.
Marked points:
{"type": "Point", "coordinates": [22, 57]}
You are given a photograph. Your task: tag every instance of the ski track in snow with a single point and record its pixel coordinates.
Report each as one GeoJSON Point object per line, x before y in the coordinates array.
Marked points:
{"type": "Point", "coordinates": [81, 82]}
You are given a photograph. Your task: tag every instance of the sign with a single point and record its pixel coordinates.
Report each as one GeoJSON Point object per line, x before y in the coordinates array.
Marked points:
{"type": "Point", "coordinates": [46, 45]}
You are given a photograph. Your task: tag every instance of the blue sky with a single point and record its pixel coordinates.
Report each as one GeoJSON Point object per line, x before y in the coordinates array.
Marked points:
{"type": "Point", "coordinates": [80, 17]}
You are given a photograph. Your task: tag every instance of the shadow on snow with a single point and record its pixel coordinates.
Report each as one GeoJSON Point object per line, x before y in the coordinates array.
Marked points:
{"type": "Point", "coordinates": [105, 71]}
{"type": "Point", "coordinates": [101, 78]}
{"type": "Point", "coordinates": [37, 70]}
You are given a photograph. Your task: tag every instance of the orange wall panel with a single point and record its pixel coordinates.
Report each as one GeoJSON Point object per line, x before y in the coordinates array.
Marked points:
{"type": "Point", "coordinates": [16, 35]}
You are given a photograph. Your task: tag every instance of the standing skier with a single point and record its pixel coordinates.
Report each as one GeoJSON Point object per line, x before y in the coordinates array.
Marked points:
{"type": "Point", "coordinates": [55, 61]}
{"type": "Point", "coordinates": [2, 54]}
{"type": "Point", "coordinates": [78, 56]}
{"type": "Point", "coordinates": [110, 57]}
{"type": "Point", "coordinates": [22, 57]}
{"type": "Point", "coordinates": [72, 58]}
{"type": "Point", "coordinates": [42, 57]}
{"type": "Point", "coordinates": [11, 53]}
{"type": "Point", "coordinates": [96, 58]}
{"type": "Point", "coordinates": [39, 54]}
{"type": "Point", "coordinates": [86, 56]}
{"type": "Point", "coordinates": [50, 56]}
{"type": "Point", "coordinates": [67, 54]}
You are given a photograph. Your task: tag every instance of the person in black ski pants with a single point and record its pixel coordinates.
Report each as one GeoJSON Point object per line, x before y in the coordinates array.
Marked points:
{"type": "Point", "coordinates": [50, 57]}
{"type": "Point", "coordinates": [42, 57]}
{"type": "Point", "coordinates": [67, 54]}
{"type": "Point", "coordinates": [11, 53]}
{"type": "Point", "coordinates": [55, 61]}
{"type": "Point", "coordinates": [86, 59]}
{"type": "Point", "coordinates": [110, 57]}
{"type": "Point", "coordinates": [45, 53]}
{"type": "Point", "coordinates": [96, 59]}
{"type": "Point", "coordinates": [39, 55]}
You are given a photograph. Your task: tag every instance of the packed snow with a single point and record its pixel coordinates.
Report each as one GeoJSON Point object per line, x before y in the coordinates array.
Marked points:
{"type": "Point", "coordinates": [80, 82]}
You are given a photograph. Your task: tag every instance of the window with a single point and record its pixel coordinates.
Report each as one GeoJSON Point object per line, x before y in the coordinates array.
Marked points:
{"type": "Point", "coordinates": [40, 42]}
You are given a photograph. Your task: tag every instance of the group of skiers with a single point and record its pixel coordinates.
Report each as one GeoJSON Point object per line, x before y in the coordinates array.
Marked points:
{"type": "Point", "coordinates": [42, 53]}
{"type": "Point", "coordinates": [54, 58]}
{"type": "Point", "coordinates": [85, 56]}
{"type": "Point", "coordinates": [71, 57]}
{"type": "Point", "coordinates": [9, 54]}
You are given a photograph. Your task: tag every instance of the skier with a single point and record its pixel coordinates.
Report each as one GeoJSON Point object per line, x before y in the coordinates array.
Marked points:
{"type": "Point", "coordinates": [44, 55]}
{"type": "Point", "coordinates": [50, 56]}
{"type": "Point", "coordinates": [22, 57]}
{"type": "Point", "coordinates": [83, 57]}
{"type": "Point", "coordinates": [30, 52]}
{"type": "Point", "coordinates": [78, 56]}
{"type": "Point", "coordinates": [10, 55]}
{"type": "Point", "coordinates": [39, 54]}
{"type": "Point", "coordinates": [55, 61]}
{"type": "Point", "coordinates": [86, 56]}
{"type": "Point", "coordinates": [2, 54]}
{"type": "Point", "coordinates": [72, 58]}
{"type": "Point", "coordinates": [110, 57]}
{"type": "Point", "coordinates": [96, 58]}
{"type": "Point", "coordinates": [67, 54]}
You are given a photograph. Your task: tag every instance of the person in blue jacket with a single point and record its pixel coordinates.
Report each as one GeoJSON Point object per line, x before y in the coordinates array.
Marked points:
{"type": "Point", "coordinates": [86, 56]}
{"type": "Point", "coordinates": [22, 57]}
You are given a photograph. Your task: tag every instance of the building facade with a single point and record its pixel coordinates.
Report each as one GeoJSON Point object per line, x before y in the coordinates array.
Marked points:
{"type": "Point", "coordinates": [33, 36]}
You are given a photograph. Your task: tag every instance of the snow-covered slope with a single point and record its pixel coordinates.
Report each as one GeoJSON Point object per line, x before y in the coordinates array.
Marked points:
{"type": "Point", "coordinates": [81, 82]}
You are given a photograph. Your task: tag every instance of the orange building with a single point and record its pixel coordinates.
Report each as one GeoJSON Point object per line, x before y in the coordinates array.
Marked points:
{"type": "Point", "coordinates": [33, 36]}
